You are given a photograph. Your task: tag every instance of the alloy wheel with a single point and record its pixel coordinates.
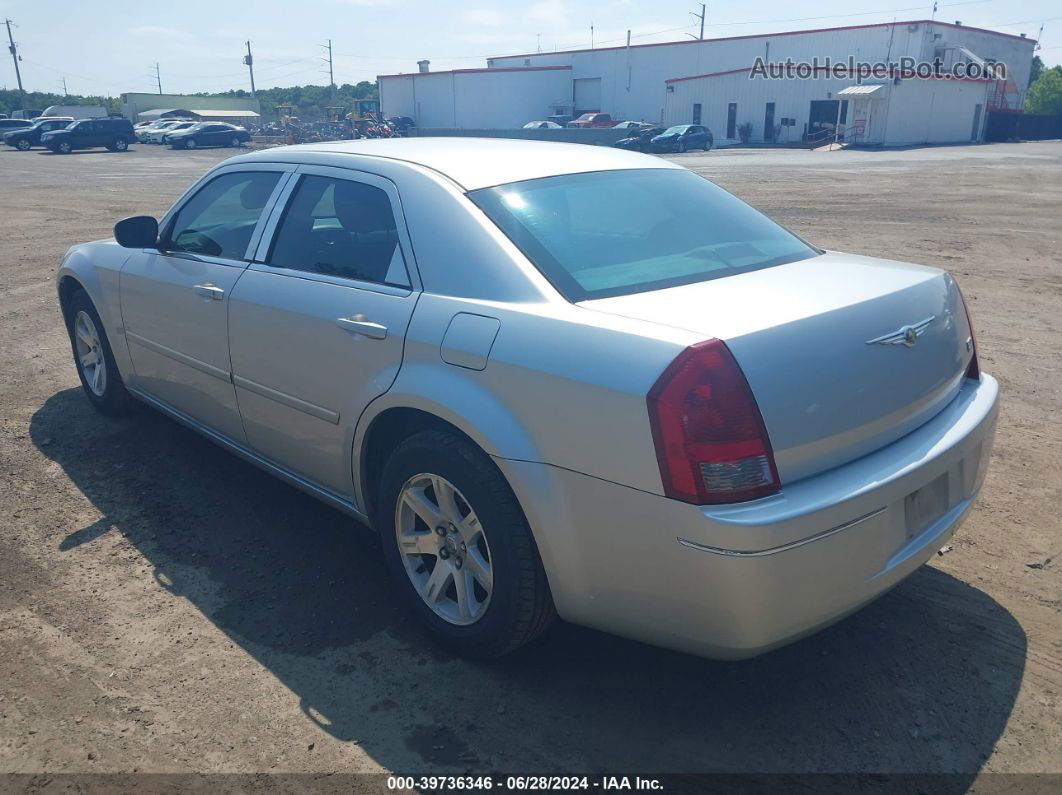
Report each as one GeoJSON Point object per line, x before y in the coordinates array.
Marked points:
{"type": "Point", "coordinates": [90, 353]}
{"type": "Point", "coordinates": [444, 549]}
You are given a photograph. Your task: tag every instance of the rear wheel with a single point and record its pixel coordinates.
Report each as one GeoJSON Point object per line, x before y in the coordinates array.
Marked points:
{"type": "Point", "coordinates": [707, 144]}
{"type": "Point", "coordinates": [121, 145]}
{"type": "Point", "coordinates": [93, 357]}
{"type": "Point", "coordinates": [23, 145]}
{"type": "Point", "coordinates": [459, 547]}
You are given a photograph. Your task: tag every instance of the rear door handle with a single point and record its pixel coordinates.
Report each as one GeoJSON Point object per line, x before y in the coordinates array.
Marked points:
{"type": "Point", "coordinates": [209, 290]}
{"type": "Point", "coordinates": [360, 324]}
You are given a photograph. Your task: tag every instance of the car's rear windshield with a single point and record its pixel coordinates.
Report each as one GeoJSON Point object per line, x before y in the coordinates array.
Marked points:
{"type": "Point", "coordinates": [612, 233]}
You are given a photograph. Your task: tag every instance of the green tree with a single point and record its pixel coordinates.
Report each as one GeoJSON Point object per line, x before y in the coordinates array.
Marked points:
{"type": "Point", "coordinates": [1036, 69]}
{"type": "Point", "coordinates": [10, 101]}
{"type": "Point", "coordinates": [1045, 95]}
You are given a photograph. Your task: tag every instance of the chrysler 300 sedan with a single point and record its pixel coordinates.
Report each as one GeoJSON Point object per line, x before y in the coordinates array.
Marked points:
{"type": "Point", "coordinates": [556, 379]}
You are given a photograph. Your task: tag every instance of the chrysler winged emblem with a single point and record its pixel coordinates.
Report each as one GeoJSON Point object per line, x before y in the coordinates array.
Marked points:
{"type": "Point", "coordinates": [904, 335]}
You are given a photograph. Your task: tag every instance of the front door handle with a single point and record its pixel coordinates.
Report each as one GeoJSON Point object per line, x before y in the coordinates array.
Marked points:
{"type": "Point", "coordinates": [209, 290]}
{"type": "Point", "coordinates": [360, 324]}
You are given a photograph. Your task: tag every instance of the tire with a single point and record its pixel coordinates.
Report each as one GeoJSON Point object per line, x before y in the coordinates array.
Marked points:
{"type": "Point", "coordinates": [707, 145]}
{"type": "Point", "coordinates": [682, 147]}
{"type": "Point", "coordinates": [518, 607]}
{"type": "Point", "coordinates": [235, 142]}
{"type": "Point", "coordinates": [190, 143]}
{"type": "Point", "coordinates": [23, 145]}
{"type": "Point", "coordinates": [64, 148]}
{"type": "Point", "coordinates": [105, 390]}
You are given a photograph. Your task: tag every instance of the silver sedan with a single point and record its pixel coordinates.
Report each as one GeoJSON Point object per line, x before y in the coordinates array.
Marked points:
{"type": "Point", "coordinates": [556, 379]}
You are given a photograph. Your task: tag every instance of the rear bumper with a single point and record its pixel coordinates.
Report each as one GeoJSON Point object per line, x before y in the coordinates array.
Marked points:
{"type": "Point", "coordinates": [735, 581]}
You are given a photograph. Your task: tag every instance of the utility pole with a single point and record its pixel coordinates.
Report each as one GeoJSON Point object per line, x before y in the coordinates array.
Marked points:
{"type": "Point", "coordinates": [701, 16]}
{"type": "Point", "coordinates": [158, 77]}
{"type": "Point", "coordinates": [14, 57]}
{"type": "Point", "coordinates": [249, 60]}
{"type": "Point", "coordinates": [331, 78]}
{"type": "Point", "coordinates": [65, 92]}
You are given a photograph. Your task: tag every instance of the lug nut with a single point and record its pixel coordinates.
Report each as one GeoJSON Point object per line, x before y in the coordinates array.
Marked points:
{"type": "Point", "coordinates": [444, 553]}
{"type": "Point", "coordinates": [440, 530]}
{"type": "Point", "coordinates": [458, 562]}
{"type": "Point", "coordinates": [463, 547]}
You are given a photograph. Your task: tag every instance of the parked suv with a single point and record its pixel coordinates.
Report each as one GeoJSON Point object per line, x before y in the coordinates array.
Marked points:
{"type": "Point", "coordinates": [25, 138]}
{"type": "Point", "coordinates": [114, 134]}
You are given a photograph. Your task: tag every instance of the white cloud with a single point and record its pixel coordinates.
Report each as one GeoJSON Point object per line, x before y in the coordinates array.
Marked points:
{"type": "Point", "coordinates": [158, 30]}
{"type": "Point", "coordinates": [485, 17]}
{"type": "Point", "coordinates": [550, 12]}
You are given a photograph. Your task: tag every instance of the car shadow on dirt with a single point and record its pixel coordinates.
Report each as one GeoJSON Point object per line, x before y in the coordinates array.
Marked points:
{"type": "Point", "coordinates": [922, 681]}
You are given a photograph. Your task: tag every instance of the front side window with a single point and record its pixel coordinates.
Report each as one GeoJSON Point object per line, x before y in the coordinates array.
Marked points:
{"type": "Point", "coordinates": [220, 218]}
{"type": "Point", "coordinates": [338, 227]}
{"type": "Point", "coordinates": [619, 232]}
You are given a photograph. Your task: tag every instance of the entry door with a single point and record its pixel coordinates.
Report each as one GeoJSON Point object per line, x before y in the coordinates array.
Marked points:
{"type": "Point", "coordinates": [175, 299]}
{"type": "Point", "coordinates": [768, 122]}
{"type": "Point", "coordinates": [318, 322]}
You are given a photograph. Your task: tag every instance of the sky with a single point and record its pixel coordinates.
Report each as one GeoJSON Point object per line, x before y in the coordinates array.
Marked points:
{"type": "Point", "coordinates": [112, 46]}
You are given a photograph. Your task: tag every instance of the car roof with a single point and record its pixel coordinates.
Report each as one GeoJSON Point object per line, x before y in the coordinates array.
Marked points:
{"type": "Point", "coordinates": [475, 163]}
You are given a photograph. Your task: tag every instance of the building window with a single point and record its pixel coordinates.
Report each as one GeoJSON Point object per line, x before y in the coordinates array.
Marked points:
{"type": "Point", "coordinates": [731, 120]}
{"type": "Point", "coordinates": [696, 112]}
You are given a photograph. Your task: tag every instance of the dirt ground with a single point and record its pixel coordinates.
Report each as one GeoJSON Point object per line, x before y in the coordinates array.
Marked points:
{"type": "Point", "coordinates": [165, 607]}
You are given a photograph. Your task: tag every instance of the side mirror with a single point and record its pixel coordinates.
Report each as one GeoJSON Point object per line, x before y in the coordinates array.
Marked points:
{"type": "Point", "coordinates": [140, 231]}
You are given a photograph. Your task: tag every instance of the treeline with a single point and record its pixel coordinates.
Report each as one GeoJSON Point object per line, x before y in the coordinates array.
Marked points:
{"type": "Point", "coordinates": [10, 101]}
{"type": "Point", "coordinates": [310, 101]}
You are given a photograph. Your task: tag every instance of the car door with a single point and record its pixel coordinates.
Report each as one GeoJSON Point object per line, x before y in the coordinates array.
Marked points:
{"type": "Point", "coordinates": [98, 133]}
{"type": "Point", "coordinates": [175, 299]}
{"type": "Point", "coordinates": [211, 135]}
{"type": "Point", "coordinates": [317, 324]}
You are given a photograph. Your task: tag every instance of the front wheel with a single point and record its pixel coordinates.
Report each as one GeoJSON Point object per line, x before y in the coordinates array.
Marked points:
{"type": "Point", "coordinates": [682, 146]}
{"type": "Point", "coordinates": [23, 145]}
{"type": "Point", "coordinates": [234, 142]}
{"type": "Point", "coordinates": [459, 547]}
{"type": "Point", "coordinates": [190, 143]}
{"type": "Point", "coordinates": [93, 357]}
{"type": "Point", "coordinates": [64, 148]}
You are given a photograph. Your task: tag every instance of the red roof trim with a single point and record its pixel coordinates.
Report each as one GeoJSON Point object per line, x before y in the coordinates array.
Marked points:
{"type": "Point", "coordinates": [770, 35]}
{"type": "Point", "coordinates": [748, 69]}
{"type": "Point", "coordinates": [481, 71]}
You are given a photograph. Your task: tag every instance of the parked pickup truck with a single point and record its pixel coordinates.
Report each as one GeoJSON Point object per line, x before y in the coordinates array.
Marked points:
{"type": "Point", "coordinates": [593, 120]}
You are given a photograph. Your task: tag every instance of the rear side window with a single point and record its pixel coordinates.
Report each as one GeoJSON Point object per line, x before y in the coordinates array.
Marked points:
{"type": "Point", "coordinates": [619, 232]}
{"type": "Point", "coordinates": [339, 227]}
{"type": "Point", "coordinates": [220, 218]}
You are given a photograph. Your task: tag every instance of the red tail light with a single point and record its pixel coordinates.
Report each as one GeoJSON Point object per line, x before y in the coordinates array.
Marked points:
{"type": "Point", "coordinates": [973, 370]}
{"type": "Point", "coordinates": [710, 440]}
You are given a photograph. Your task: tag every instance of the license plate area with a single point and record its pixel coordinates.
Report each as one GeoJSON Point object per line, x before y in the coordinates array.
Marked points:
{"type": "Point", "coordinates": [925, 506]}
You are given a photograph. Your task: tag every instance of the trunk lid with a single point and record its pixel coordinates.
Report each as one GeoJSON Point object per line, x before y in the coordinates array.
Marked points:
{"type": "Point", "coordinates": [821, 342]}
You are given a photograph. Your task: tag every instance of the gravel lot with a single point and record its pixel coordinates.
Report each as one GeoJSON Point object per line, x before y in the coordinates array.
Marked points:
{"type": "Point", "coordinates": [166, 607]}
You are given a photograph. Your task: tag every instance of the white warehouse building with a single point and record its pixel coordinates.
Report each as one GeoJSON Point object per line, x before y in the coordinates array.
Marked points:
{"type": "Point", "coordinates": [707, 81]}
